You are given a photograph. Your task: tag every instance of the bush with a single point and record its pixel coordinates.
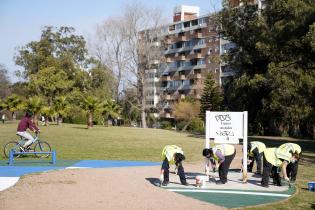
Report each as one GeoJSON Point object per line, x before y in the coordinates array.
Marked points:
{"type": "Point", "coordinates": [180, 125]}
{"type": "Point", "coordinates": [197, 126]}
{"type": "Point", "coordinates": [166, 125]}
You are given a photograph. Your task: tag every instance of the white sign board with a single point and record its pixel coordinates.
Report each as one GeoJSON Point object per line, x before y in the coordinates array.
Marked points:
{"type": "Point", "coordinates": [226, 127]}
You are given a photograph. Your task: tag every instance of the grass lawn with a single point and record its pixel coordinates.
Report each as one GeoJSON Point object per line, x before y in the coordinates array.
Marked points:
{"type": "Point", "coordinates": [75, 142]}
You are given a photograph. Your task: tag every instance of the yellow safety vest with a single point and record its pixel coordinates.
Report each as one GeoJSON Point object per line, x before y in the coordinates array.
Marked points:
{"type": "Point", "coordinates": [169, 151]}
{"type": "Point", "coordinates": [271, 157]}
{"type": "Point", "coordinates": [225, 149]}
{"type": "Point", "coordinates": [285, 151]}
{"type": "Point", "coordinates": [287, 147]}
{"type": "Point", "coordinates": [256, 144]}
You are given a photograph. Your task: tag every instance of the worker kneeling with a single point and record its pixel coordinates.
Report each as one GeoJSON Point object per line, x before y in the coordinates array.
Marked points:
{"type": "Point", "coordinates": [223, 154]}
{"type": "Point", "coordinates": [172, 154]}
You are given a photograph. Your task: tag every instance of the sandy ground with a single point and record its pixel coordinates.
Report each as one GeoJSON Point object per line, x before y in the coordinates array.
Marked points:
{"type": "Point", "coordinates": [108, 188]}
{"type": "Point", "coordinates": [113, 188]}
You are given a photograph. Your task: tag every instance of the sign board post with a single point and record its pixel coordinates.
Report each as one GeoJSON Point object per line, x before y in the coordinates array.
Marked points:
{"type": "Point", "coordinates": [228, 128]}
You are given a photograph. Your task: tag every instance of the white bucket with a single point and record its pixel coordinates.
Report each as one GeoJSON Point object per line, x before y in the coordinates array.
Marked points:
{"type": "Point", "coordinates": [201, 181]}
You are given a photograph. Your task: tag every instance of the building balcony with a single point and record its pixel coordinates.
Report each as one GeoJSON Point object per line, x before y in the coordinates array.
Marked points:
{"type": "Point", "coordinates": [197, 76]}
{"type": "Point", "coordinates": [199, 66]}
{"type": "Point", "coordinates": [168, 41]}
{"type": "Point", "coordinates": [165, 115]}
{"type": "Point", "coordinates": [182, 77]}
{"type": "Point", "coordinates": [198, 35]}
{"type": "Point", "coordinates": [184, 68]}
{"type": "Point", "coordinates": [182, 57]}
{"type": "Point", "coordinates": [181, 38]}
{"type": "Point", "coordinates": [165, 78]}
{"type": "Point", "coordinates": [168, 60]}
{"type": "Point", "coordinates": [198, 55]}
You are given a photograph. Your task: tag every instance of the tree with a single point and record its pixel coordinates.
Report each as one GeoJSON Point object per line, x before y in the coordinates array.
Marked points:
{"type": "Point", "coordinates": [13, 103]}
{"type": "Point", "coordinates": [35, 105]}
{"type": "Point", "coordinates": [130, 47]}
{"type": "Point", "coordinates": [61, 107]}
{"type": "Point", "coordinates": [47, 112]}
{"type": "Point", "coordinates": [102, 82]}
{"type": "Point", "coordinates": [275, 58]}
{"type": "Point", "coordinates": [56, 63]}
{"type": "Point", "coordinates": [110, 49]}
{"type": "Point", "coordinates": [212, 98]}
{"type": "Point", "coordinates": [130, 106]}
{"type": "Point", "coordinates": [187, 111]}
{"type": "Point", "coordinates": [4, 82]}
{"type": "Point", "coordinates": [90, 105]}
{"type": "Point", "coordinates": [111, 109]}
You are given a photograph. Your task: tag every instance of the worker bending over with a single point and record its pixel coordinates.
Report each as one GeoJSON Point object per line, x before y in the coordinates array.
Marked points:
{"type": "Point", "coordinates": [255, 153]}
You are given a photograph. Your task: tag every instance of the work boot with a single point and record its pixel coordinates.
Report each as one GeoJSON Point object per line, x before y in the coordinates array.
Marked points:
{"type": "Point", "coordinates": [165, 183]}
{"type": "Point", "coordinates": [185, 183]}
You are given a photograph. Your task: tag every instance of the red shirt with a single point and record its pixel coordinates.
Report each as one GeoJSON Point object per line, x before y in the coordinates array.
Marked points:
{"type": "Point", "coordinates": [26, 123]}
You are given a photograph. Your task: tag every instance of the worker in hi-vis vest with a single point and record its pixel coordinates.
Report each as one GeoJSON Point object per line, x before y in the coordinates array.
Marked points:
{"type": "Point", "coordinates": [172, 154]}
{"type": "Point", "coordinates": [255, 151]}
{"type": "Point", "coordinates": [223, 154]}
{"type": "Point", "coordinates": [292, 168]}
{"type": "Point", "coordinates": [275, 158]}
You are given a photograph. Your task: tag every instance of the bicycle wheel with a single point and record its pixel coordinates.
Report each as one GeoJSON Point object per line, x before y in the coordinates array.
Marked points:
{"type": "Point", "coordinates": [12, 145]}
{"type": "Point", "coordinates": [42, 146]}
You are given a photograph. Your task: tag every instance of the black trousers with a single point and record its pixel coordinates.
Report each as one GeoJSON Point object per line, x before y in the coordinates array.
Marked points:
{"type": "Point", "coordinates": [224, 167]}
{"type": "Point", "coordinates": [269, 168]}
{"type": "Point", "coordinates": [292, 169]}
{"type": "Point", "coordinates": [180, 171]}
{"type": "Point", "coordinates": [256, 158]}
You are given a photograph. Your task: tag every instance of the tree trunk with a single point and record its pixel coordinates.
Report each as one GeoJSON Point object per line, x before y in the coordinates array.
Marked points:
{"type": "Point", "coordinates": [143, 120]}
{"type": "Point", "coordinates": [59, 120]}
{"type": "Point", "coordinates": [89, 120]}
{"type": "Point", "coordinates": [35, 120]}
{"type": "Point", "coordinates": [296, 130]}
{"type": "Point", "coordinates": [186, 126]}
{"type": "Point", "coordinates": [46, 121]}
{"type": "Point", "coordinates": [13, 116]}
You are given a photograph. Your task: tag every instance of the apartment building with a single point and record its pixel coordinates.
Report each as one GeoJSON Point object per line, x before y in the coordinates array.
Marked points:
{"type": "Point", "coordinates": [192, 48]}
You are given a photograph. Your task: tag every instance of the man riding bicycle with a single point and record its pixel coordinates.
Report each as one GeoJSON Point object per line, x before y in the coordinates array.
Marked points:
{"type": "Point", "coordinates": [25, 124]}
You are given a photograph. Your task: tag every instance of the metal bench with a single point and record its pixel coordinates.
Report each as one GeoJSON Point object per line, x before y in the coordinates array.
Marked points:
{"type": "Point", "coordinates": [12, 153]}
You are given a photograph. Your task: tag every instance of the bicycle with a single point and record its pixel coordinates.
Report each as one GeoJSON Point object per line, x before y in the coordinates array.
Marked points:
{"type": "Point", "coordinates": [39, 146]}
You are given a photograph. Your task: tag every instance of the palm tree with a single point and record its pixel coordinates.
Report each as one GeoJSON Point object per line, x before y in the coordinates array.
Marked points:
{"type": "Point", "coordinates": [90, 104]}
{"type": "Point", "coordinates": [47, 111]}
{"type": "Point", "coordinates": [111, 109]}
{"type": "Point", "coordinates": [13, 103]}
{"type": "Point", "coordinates": [61, 108]}
{"type": "Point", "coordinates": [35, 105]}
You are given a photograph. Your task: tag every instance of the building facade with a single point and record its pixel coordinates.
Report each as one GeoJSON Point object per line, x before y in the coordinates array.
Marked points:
{"type": "Point", "coordinates": [191, 48]}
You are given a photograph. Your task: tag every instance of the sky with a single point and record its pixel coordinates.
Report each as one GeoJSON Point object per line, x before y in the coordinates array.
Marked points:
{"type": "Point", "coordinates": [21, 21]}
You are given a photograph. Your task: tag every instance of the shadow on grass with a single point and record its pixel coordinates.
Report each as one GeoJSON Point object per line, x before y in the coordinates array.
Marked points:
{"type": "Point", "coordinates": [77, 127]}
{"type": "Point", "coordinates": [196, 135]}
{"type": "Point", "coordinates": [313, 205]}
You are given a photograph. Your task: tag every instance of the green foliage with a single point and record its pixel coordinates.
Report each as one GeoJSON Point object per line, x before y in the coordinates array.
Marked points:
{"type": "Point", "coordinates": [197, 126]}
{"type": "Point", "coordinates": [275, 57]}
{"type": "Point", "coordinates": [212, 98]}
{"type": "Point", "coordinates": [180, 125]}
{"type": "Point", "coordinates": [61, 107]}
{"type": "Point", "coordinates": [76, 116]}
{"type": "Point", "coordinates": [34, 104]}
{"type": "Point", "coordinates": [13, 103]}
{"type": "Point", "coordinates": [166, 125]}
